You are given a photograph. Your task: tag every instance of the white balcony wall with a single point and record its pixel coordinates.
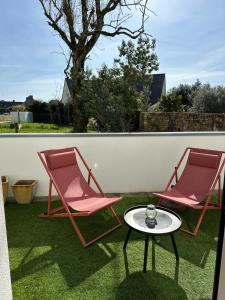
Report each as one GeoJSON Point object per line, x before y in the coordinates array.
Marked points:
{"type": "Point", "coordinates": [137, 162]}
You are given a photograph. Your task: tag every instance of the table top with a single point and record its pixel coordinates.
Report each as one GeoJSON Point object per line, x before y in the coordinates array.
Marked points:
{"type": "Point", "coordinates": [167, 220]}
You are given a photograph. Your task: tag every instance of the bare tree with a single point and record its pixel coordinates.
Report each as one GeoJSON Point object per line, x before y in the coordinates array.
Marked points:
{"type": "Point", "coordinates": [80, 23]}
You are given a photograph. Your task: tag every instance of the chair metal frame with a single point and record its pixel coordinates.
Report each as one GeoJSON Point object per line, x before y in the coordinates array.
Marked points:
{"type": "Point", "coordinates": [207, 204]}
{"type": "Point", "coordinates": [55, 212]}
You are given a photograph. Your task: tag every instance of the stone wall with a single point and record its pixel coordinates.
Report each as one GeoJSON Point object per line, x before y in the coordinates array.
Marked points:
{"type": "Point", "coordinates": [176, 121]}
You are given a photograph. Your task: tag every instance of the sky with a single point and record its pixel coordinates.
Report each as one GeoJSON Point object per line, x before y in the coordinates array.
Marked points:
{"type": "Point", "coordinates": [190, 44]}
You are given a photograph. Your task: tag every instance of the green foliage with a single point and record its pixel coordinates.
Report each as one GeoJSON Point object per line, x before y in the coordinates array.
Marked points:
{"type": "Point", "coordinates": [111, 96]}
{"type": "Point", "coordinates": [20, 108]}
{"type": "Point", "coordinates": [110, 100]}
{"type": "Point", "coordinates": [154, 107]}
{"type": "Point", "coordinates": [38, 107]}
{"type": "Point", "coordinates": [209, 100]}
{"type": "Point", "coordinates": [140, 60]}
{"type": "Point", "coordinates": [137, 63]}
{"type": "Point", "coordinates": [171, 103]}
{"type": "Point", "coordinates": [5, 117]}
{"type": "Point", "coordinates": [186, 91]}
{"type": "Point", "coordinates": [198, 98]}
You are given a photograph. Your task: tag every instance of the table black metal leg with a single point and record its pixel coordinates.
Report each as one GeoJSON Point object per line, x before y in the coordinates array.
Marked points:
{"type": "Point", "coordinates": [127, 238]}
{"type": "Point", "coordinates": [153, 238]}
{"type": "Point", "coordinates": [174, 246]}
{"type": "Point", "coordinates": [146, 253]}
{"type": "Point", "coordinates": [153, 253]}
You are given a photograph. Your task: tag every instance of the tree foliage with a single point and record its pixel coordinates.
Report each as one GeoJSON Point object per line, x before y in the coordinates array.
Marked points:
{"type": "Point", "coordinates": [209, 99]}
{"type": "Point", "coordinates": [19, 107]}
{"type": "Point", "coordinates": [186, 91]}
{"type": "Point", "coordinates": [171, 103]}
{"type": "Point", "coordinates": [137, 63]}
{"type": "Point", "coordinates": [38, 107]}
{"type": "Point", "coordinates": [111, 96]}
{"type": "Point", "coordinates": [140, 59]}
{"type": "Point", "coordinates": [111, 100]}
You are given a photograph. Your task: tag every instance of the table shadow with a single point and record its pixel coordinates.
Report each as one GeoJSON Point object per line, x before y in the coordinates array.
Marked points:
{"type": "Point", "coordinates": [150, 285]}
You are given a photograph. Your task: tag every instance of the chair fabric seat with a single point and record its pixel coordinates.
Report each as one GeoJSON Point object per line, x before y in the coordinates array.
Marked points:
{"type": "Point", "coordinates": [176, 196]}
{"type": "Point", "coordinates": [91, 204]}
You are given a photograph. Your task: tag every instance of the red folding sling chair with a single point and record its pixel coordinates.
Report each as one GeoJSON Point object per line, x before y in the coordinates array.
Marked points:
{"type": "Point", "coordinates": [199, 178]}
{"type": "Point", "coordinates": [75, 193]}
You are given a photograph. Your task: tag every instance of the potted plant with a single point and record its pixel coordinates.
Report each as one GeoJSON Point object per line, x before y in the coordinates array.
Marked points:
{"type": "Point", "coordinates": [24, 190]}
{"type": "Point", "coordinates": [5, 187]}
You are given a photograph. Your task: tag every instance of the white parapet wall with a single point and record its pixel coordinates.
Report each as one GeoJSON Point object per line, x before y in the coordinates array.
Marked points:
{"type": "Point", "coordinates": [122, 163]}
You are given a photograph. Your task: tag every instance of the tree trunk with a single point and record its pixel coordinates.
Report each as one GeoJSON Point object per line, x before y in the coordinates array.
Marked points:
{"type": "Point", "coordinates": [80, 118]}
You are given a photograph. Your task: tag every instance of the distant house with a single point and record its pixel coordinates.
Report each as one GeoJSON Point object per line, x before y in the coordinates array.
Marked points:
{"type": "Point", "coordinates": [157, 89]}
{"type": "Point", "coordinates": [67, 91]}
{"type": "Point", "coordinates": [29, 101]}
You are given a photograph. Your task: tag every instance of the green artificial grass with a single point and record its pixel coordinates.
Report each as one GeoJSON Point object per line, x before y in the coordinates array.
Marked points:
{"type": "Point", "coordinates": [48, 262]}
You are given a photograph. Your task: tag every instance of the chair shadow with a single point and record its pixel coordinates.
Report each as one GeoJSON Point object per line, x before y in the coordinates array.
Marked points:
{"type": "Point", "coordinates": [62, 246]}
{"type": "Point", "coordinates": [150, 285]}
{"type": "Point", "coordinates": [72, 265]}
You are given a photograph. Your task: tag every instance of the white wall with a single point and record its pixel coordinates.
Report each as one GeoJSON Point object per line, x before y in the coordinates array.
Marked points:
{"type": "Point", "coordinates": [21, 117]}
{"type": "Point", "coordinates": [121, 162]}
{"type": "Point", "coordinates": [5, 280]}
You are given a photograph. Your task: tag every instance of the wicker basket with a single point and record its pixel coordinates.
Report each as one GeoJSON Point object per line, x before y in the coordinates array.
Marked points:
{"type": "Point", "coordinates": [5, 187]}
{"type": "Point", "coordinates": [24, 190]}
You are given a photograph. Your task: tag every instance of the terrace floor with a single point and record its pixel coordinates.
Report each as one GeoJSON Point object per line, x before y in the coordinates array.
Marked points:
{"type": "Point", "coordinates": [48, 262]}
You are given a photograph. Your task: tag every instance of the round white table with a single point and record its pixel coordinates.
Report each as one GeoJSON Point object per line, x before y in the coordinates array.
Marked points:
{"type": "Point", "coordinates": [168, 222]}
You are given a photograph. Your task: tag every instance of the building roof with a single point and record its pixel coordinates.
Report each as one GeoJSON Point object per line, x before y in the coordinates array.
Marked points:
{"type": "Point", "coordinates": [69, 85]}
{"type": "Point", "coordinates": [156, 89]}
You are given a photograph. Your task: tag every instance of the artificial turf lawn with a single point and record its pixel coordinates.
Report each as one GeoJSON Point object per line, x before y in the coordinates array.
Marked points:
{"type": "Point", "coordinates": [48, 262]}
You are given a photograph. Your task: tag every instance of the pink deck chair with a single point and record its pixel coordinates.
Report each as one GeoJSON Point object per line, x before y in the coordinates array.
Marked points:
{"type": "Point", "coordinates": [75, 193]}
{"type": "Point", "coordinates": [199, 178]}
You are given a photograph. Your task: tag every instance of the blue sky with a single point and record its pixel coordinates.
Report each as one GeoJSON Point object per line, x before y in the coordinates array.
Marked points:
{"type": "Point", "coordinates": [190, 39]}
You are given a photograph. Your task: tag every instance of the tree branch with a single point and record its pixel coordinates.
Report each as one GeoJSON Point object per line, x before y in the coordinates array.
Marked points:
{"type": "Point", "coordinates": [84, 21]}
{"type": "Point", "coordinates": [55, 25]}
{"type": "Point", "coordinates": [68, 11]}
{"type": "Point", "coordinates": [84, 15]}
